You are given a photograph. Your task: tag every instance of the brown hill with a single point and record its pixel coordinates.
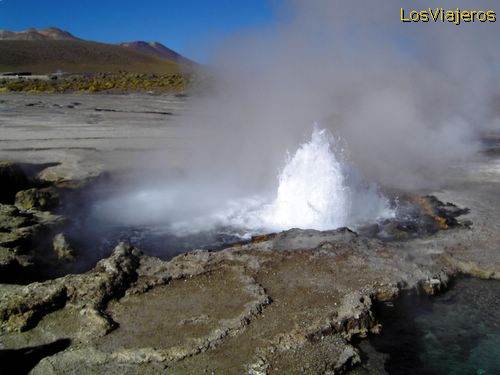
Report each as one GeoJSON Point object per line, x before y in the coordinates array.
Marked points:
{"type": "Point", "coordinates": [52, 49]}
{"type": "Point", "coordinates": [51, 33]}
{"type": "Point", "coordinates": [158, 50]}
{"type": "Point", "coordinates": [48, 56]}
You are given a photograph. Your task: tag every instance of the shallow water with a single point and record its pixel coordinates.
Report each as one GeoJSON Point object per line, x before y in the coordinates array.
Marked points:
{"type": "Point", "coordinates": [457, 332]}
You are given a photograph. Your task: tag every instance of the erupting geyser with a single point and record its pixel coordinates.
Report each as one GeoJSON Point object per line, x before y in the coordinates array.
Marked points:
{"type": "Point", "coordinates": [316, 190]}
{"type": "Point", "coordinates": [311, 192]}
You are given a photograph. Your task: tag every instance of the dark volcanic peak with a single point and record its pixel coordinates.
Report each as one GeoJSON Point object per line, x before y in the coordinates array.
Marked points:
{"type": "Point", "coordinates": [156, 49]}
{"type": "Point", "coordinates": [51, 33]}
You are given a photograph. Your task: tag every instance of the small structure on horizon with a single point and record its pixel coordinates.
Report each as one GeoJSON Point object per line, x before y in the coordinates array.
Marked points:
{"type": "Point", "coordinates": [16, 74]}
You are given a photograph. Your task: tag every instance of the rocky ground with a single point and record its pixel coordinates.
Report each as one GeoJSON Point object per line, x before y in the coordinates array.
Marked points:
{"type": "Point", "coordinates": [286, 303]}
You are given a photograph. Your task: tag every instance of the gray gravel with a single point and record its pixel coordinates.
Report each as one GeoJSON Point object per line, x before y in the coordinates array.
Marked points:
{"type": "Point", "coordinates": [88, 133]}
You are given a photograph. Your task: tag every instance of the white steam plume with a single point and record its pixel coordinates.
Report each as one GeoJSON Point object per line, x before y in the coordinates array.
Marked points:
{"type": "Point", "coordinates": [408, 100]}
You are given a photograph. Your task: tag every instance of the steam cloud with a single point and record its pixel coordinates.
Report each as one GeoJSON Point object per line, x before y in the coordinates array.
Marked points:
{"type": "Point", "coordinates": [408, 100]}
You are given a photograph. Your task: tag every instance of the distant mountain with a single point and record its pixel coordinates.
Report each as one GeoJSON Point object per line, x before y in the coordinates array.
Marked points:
{"type": "Point", "coordinates": [51, 33]}
{"type": "Point", "coordinates": [52, 49]}
{"type": "Point", "coordinates": [156, 49]}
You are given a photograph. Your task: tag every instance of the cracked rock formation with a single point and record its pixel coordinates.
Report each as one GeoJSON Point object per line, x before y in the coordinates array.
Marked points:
{"type": "Point", "coordinates": [284, 303]}
{"type": "Point", "coordinates": [22, 241]}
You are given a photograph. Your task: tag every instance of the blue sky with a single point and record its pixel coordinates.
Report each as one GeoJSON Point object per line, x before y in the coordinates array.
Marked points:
{"type": "Point", "coordinates": [190, 27]}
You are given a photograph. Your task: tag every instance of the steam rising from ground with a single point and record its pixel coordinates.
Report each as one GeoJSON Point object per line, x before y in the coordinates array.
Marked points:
{"type": "Point", "coordinates": [314, 192]}
{"type": "Point", "coordinates": [311, 191]}
{"type": "Point", "coordinates": [407, 100]}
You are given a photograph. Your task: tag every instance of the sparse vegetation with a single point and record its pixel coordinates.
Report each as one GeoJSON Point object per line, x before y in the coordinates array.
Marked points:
{"type": "Point", "coordinates": [99, 82]}
{"type": "Point", "coordinates": [90, 67]}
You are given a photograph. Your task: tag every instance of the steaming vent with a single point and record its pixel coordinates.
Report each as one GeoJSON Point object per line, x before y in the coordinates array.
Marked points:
{"type": "Point", "coordinates": [316, 189]}
{"type": "Point", "coordinates": [311, 192]}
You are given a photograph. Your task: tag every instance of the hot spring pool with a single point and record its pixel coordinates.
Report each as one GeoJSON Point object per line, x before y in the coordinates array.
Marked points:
{"type": "Point", "coordinates": [457, 332]}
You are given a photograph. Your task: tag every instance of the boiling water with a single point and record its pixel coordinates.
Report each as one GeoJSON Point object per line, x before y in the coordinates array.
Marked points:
{"type": "Point", "coordinates": [311, 192]}
{"type": "Point", "coordinates": [315, 190]}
